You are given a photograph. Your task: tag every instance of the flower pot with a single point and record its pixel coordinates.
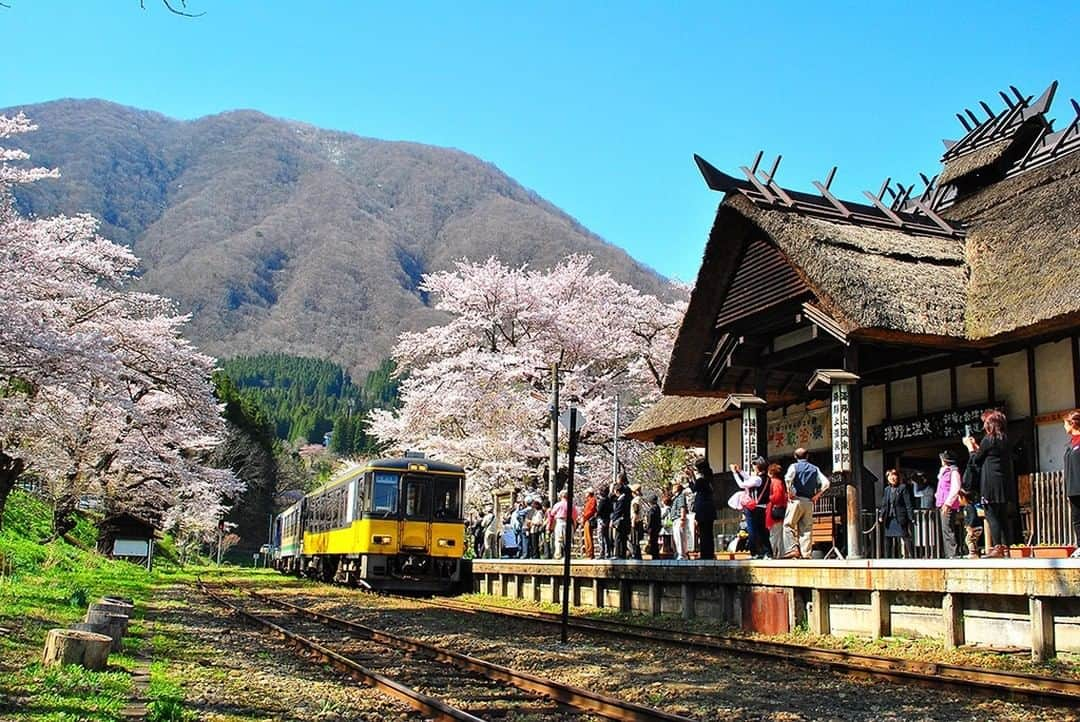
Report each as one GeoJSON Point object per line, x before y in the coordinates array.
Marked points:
{"type": "Point", "coordinates": [1053, 552]}
{"type": "Point", "coordinates": [740, 555]}
{"type": "Point", "coordinates": [1019, 552]}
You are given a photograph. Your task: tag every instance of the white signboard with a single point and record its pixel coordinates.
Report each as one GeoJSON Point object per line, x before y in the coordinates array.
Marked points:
{"type": "Point", "coordinates": [131, 548]}
{"type": "Point", "coordinates": [579, 419]}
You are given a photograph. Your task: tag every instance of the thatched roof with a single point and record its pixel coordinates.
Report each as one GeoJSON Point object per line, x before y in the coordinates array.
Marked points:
{"type": "Point", "coordinates": [1017, 272]}
{"type": "Point", "coordinates": [673, 414]}
{"type": "Point", "coordinates": [871, 277]}
{"type": "Point", "coordinates": [1023, 250]}
{"type": "Point", "coordinates": [975, 161]}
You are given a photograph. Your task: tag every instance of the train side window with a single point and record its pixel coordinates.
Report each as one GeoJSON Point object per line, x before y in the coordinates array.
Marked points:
{"type": "Point", "coordinates": [384, 496]}
{"type": "Point", "coordinates": [417, 498]}
{"type": "Point", "coordinates": [448, 498]}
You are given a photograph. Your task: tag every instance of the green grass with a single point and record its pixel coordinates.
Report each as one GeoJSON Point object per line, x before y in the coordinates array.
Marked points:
{"type": "Point", "coordinates": [48, 585]}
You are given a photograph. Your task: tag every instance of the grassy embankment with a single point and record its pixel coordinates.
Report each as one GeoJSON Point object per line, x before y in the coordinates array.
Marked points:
{"type": "Point", "coordinates": [43, 586]}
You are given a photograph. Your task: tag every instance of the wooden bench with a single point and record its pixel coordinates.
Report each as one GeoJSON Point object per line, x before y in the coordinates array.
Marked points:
{"type": "Point", "coordinates": [824, 532]}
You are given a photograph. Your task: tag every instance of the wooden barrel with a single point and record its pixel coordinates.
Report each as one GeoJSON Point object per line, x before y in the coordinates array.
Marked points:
{"type": "Point", "coordinates": [74, 646]}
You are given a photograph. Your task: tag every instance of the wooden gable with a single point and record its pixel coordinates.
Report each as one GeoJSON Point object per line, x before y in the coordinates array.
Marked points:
{"type": "Point", "coordinates": [763, 278]}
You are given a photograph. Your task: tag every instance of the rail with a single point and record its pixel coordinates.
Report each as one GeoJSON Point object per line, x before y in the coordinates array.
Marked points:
{"type": "Point", "coordinates": [1039, 688]}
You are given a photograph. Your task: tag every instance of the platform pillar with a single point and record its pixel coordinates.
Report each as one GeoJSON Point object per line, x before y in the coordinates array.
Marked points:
{"type": "Point", "coordinates": [536, 588]}
{"type": "Point", "coordinates": [489, 584]}
{"type": "Point", "coordinates": [504, 584]}
{"type": "Point", "coordinates": [624, 595]}
{"type": "Point", "coordinates": [792, 609]}
{"type": "Point", "coordinates": [654, 598]}
{"type": "Point", "coordinates": [598, 592]}
{"type": "Point", "coordinates": [1042, 629]}
{"type": "Point", "coordinates": [819, 611]}
{"type": "Point", "coordinates": [688, 597]}
{"type": "Point", "coordinates": [555, 598]}
{"type": "Point", "coordinates": [952, 613]}
{"type": "Point", "coordinates": [519, 586]}
{"type": "Point", "coordinates": [880, 614]}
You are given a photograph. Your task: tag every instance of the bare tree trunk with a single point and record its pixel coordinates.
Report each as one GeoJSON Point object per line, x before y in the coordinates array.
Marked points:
{"type": "Point", "coordinates": [10, 470]}
{"type": "Point", "coordinates": [63, 516]}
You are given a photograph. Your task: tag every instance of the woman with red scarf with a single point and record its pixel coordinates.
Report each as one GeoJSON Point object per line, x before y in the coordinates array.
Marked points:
{"type": "Point", "coordinates": [1072, 472]}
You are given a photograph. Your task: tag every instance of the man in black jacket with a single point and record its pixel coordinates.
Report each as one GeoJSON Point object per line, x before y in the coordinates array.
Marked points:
{"type": "Point", "coordinates": [620, 518]}
{"type": "Point", "coordinates": [603, 521]}
{"type": "Point", "coordinates": [704, 508]}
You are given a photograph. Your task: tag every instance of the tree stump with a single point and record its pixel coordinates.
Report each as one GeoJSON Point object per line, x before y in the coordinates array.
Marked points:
{"type": "Point", "coordinates": [113, 607]}
{"type": "Point", "coordinates": [113, 625]}
{"type": "Point", "coordinates": [73, 646]}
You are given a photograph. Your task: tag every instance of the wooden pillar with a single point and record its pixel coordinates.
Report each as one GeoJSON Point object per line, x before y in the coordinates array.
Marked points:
{"type": "Point", "coordinates": [880, 614]}
{"type": "Point", "coordinates": [819, 611]}
{"type": "Point", "coordinates": [1042, 628]}
{"type": "Point", "coordinates": [598, 592]}
{"type": "Point", "coordinates": [536, 588]}
{"type": "Point", "coordinates": [952, 613]}
{"type": "Point", "coordinates": [688, 597]}
{"type": "Point", "coordinates": [654, 598]}
{"type": "Point", "coordinates": [863, 498]}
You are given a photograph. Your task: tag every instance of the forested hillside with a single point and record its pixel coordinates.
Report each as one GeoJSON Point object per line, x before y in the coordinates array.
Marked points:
{"type": "Point", "coordinates": [281, 237]}
{"type": "Point", "coordinates": [304, 398]}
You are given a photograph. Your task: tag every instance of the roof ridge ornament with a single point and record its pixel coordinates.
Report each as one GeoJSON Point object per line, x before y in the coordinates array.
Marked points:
{"type": "Point", "coordinates": [760, 187]}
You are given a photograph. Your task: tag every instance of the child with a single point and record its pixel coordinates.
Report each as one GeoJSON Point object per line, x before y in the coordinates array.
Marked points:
{"type": "Point", "coordinates": [973, 522]}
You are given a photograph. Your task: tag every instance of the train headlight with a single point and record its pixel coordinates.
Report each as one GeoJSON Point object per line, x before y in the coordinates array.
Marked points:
{"type": "Point", "coordinates": [381, 539]}
{"type": "Point", "coordinates": [447, 543]}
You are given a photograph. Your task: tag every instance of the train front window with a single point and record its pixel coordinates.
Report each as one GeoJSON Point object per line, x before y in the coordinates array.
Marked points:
{"type": "Point", "coordinates": [384, 496]}
{"type": "Point", "coordinates": [448, 498]}
{"type": "Point", "coordinates": [417, 497]}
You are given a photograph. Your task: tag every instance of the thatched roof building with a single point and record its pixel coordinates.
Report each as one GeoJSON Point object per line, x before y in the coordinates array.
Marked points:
{"type": "Point", "coordinates": [984, 260]}
{"type": "Point", "coordinates": [984, 256]}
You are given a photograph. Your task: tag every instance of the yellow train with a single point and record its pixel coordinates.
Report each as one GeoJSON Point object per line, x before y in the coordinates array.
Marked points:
{"type": "Point", "coordinates": [391, 524]}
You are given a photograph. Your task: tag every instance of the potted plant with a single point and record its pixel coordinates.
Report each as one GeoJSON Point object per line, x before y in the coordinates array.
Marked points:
{"type": "Point", "coordinates": [1053, 551]}
{"type": "Point", "coordinates": [1019, 551]}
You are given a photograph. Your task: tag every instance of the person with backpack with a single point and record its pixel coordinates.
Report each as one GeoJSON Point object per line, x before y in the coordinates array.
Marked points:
{"type": "Point", "coordinates": [947, 500]}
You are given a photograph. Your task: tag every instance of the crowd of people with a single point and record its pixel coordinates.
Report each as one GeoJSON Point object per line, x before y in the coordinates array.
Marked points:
{"type": "Point", "coordinates": [619, 521]}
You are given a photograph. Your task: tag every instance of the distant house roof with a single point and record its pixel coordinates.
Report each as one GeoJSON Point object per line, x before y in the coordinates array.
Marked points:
{"type": "Point", "coordinates": [988, 251]}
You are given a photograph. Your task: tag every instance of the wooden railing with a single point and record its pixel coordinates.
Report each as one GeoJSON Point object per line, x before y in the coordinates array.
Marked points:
{"type": "Point", "coordinates": [1050, 507]}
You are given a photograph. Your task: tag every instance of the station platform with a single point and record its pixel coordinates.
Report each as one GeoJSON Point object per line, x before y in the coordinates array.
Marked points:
{"type": "Point", "coordinates": [1009, 603]}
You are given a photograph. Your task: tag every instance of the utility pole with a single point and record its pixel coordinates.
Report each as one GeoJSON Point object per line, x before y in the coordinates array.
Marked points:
{"type": "Point", "coordinates": [574, 423]}
{"type": "Point", "coordinates": [615, 443]}
{"type": "Point", "coordinates": [553, 460]}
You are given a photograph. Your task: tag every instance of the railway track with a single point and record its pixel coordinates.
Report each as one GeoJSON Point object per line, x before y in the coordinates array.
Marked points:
{"type": "Point", "coordinates": [439, 683]}
{"type": "Point", "coordinates": [1057, 691]}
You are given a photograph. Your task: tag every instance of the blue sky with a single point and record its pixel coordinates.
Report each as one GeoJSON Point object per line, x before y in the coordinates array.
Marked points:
{"type": "Point", "coordinates": [598, 106]}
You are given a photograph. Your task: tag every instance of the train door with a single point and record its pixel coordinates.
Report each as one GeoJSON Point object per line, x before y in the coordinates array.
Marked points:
{"type": "Point", "coordinates": [415, 531]}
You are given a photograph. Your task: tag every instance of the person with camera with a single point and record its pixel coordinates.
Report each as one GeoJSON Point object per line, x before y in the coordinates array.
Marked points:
{"type": "Point", "coordinates": [994, 461]}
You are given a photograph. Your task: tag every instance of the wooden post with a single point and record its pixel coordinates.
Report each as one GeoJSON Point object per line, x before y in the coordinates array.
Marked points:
{"type": "Point", "coordinates": [654, 598]}
{"type": "Point", "coordinates": [688, 597]}
{"type": "Point", "coordinates": [880, 617]}
{"type": "Point", "coordinates": [819, 612]}
{"type": "Point", "coordinates": [71, 646]}
{"type": "Point", "coordinates": [598, 592]}
{"type": "Point", "coordinates": [1042, 629]}
{"type": "Point", "coordinates": [953, 615]}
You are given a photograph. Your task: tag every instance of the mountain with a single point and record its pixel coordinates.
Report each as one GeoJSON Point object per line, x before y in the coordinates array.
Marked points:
{"type": "Point", "coordinates": [279, 236]}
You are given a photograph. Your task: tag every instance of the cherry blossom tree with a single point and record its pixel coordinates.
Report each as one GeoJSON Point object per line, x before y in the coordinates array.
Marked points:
{"type": "Point", "coordinates": [476, 389]}
{"type": "Point", "coordinates": [100, 391]}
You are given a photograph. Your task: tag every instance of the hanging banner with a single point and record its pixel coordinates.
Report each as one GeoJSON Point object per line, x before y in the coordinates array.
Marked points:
{"type": "Point", "coordinates": [841, 427]}
{"type": "Point", "coordinates": [809, 430]}
{"type": "Point", "coordinates": [749, 436]}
